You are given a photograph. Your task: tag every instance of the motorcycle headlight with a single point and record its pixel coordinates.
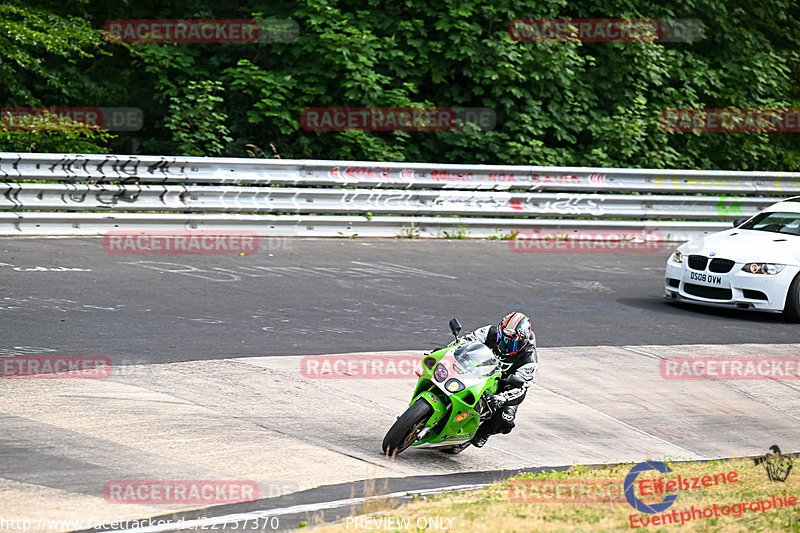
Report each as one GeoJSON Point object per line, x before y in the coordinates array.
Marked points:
{"type": "Point", "coordinates": [454, 385]}
{"type": "Point", "coordinates": [440, 372]}
{"type": "Point", "coordinates": [677, 257]}
{"type": "Point", "coordinates": [769, 269]}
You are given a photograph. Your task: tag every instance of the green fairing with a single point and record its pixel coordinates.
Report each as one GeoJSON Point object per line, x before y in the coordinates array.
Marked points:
{"type": "Point", "coordinates": [449, 406]}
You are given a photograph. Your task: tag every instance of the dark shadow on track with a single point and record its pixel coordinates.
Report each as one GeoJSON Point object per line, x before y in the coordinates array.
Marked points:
{"type": "Point", "coordinates": [726, 314]}
{"type": "Point", "coordinates": [682, 309]}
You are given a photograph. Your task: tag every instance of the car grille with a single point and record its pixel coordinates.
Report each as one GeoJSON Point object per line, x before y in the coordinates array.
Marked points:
{"type": "Point", "coordinates": [721, 266]}
{"type": "Point", "coordinates": [712, 293]}
{"type": "Point", "coordinates": [698, 262]}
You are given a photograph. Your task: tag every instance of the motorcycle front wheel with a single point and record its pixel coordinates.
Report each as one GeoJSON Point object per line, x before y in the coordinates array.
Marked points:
{"type": "Point", "coordinates": [404, 431]}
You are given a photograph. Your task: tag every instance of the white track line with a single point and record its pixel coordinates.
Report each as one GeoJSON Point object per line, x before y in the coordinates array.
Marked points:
{"type": "Point", "coordinates": [640, 352]}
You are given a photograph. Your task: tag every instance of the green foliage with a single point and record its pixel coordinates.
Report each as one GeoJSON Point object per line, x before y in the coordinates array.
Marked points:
{"type": "Point", "coordinates": [65, 141]}
{"type": "Point", "coordinates": [569, 103]}
{"type": "Point", "coordinates": [40, 54]}
{"type": "Point", "coordinates": [47, 133]}
{"type": "Point", "coordinates": [408, 232]}
{"type": "Point", "coordinates": [197, 124]}
{"type": "Point", "coordinates": [37, 48]}
{"type": "Point", "coordinates": [499, 236]}
{"type": "Point", "coordinates": [575, 471]}
{"type": "Point", "coordinates": [461, 232]}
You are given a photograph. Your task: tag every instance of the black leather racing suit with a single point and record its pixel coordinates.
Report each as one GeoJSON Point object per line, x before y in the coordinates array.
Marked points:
{"type": "Point", "coordinates": [523, 364]}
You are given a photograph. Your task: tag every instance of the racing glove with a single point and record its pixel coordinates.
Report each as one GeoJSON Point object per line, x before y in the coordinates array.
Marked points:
{"type": "Point", "coordinates": [496, 400]}
{"type": "Point", "coordinates": [501, 398]}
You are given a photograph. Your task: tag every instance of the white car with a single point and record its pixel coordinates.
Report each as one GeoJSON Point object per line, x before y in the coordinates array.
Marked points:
{"type": "Point", "coordinates": [755, 265]}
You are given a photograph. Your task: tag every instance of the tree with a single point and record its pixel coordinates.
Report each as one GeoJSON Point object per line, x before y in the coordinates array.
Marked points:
{"type": "Point", "coordinates": [40, 54]}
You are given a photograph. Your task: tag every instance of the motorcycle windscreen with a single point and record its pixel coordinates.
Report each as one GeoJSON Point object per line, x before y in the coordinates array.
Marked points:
{"type": "Point", "coordinates": [476, 358]}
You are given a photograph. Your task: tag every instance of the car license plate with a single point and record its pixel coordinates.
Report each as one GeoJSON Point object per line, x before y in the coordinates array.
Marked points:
{"type": "Point", "coordinates": [702, 277]}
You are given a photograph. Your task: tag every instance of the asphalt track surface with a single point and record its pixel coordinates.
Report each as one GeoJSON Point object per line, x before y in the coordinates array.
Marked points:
{"type": "Point", "coordinates": [207, 382]}
{"type": "Point", "coordinates": [315, 296]}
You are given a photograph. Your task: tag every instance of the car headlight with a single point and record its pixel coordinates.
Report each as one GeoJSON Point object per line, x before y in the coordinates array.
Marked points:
{"type": "Point", "coordinates": [677, 257]}
{"type": "Point", "coordinates": [440, 372]}
{"type": "Point", "coordinates": [453, 385]}
{"type": "Point", "coordinates": [770, 269]}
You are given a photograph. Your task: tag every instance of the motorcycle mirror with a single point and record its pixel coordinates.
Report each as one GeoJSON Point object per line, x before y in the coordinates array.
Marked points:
{"type": "Point", "coordinates": [455, 326]}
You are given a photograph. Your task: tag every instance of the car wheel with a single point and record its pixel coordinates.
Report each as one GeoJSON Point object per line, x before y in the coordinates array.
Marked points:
{"type": "Point", "coordinates": [791, 309]}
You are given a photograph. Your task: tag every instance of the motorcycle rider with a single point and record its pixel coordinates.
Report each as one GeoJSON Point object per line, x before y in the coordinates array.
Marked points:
{"type": "Point", "coordinates": [514, 345]}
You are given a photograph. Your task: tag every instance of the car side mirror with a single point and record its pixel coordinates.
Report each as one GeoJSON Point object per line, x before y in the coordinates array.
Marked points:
{"type": "Point", "coordinates": [455, 327]}
{"type": "Point", "coordinates": [738, 222]}
{"type": "Point", "coordinates": [515, 381]}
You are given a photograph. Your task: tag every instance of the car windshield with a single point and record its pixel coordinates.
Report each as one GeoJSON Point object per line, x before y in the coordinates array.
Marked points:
{"type": "Point", "coordinates": [776, 222]}
{"type": "Point", "coordinates": [476, 358]}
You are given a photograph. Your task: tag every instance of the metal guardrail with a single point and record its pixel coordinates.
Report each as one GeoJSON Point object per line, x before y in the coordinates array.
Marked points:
{"type": "Point", "coordinates": [91, 194]}
{"type": "Point", "coordinates": [78, 197]}
{"type": "Point", "coordinates": [164, 170]}
{"type": "Point", "coordinates": [83, 223]}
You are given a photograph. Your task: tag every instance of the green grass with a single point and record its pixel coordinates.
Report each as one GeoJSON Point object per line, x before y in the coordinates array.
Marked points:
{"type": "Point", "coordinates": [494, 509]}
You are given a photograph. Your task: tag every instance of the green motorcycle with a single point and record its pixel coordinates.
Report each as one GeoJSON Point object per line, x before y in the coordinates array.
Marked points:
{"type": "Point", "coordinates": [449, 401]}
